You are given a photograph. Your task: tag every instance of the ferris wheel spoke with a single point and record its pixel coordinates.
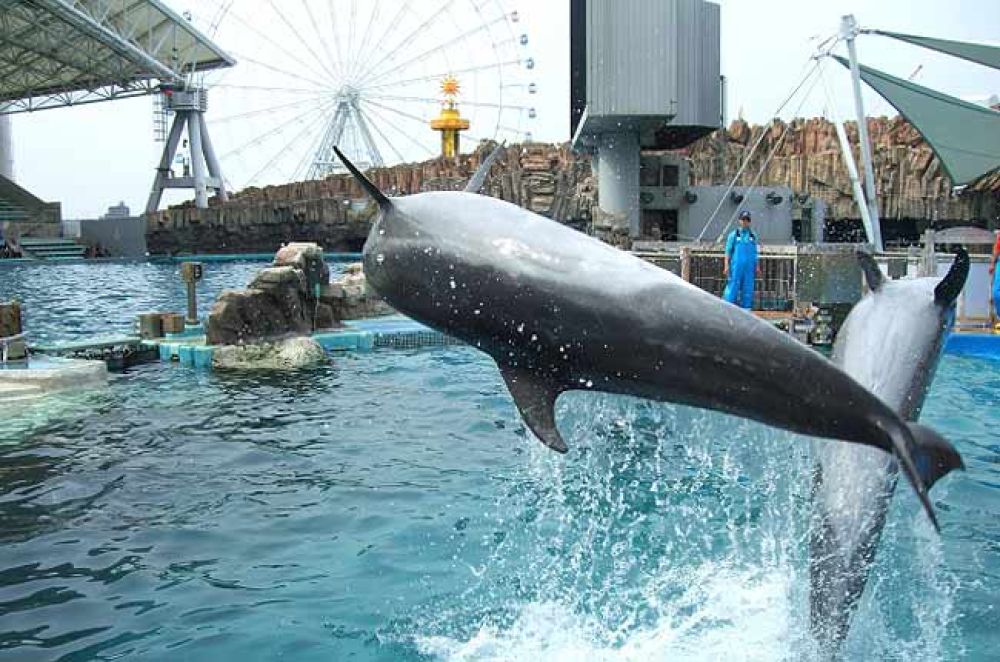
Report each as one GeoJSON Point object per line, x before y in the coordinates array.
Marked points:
{"type": "Point", "coordinates": [319, 84]}
{"type": "Point", "coordinates": [297, 33]}
{"type": "Point", "coordinates": [451, 42]}
{"type": "Point", "coordinates": [281, 47]}
{"type": "Point", "coordinates": [285, 147]}
{"type": "Point", "coordinates": [350, 34]}
{"type": "Point", "coordinates": [334, 64]}
{"type": "Point", "coordinates": [406, 40]}
{"type": "Point", "coordinates": [431, 100]}
{"type": "Point", "coordinates": [382, 135]}
{"type": "Point", "coordinates": [442, 74]}
{"type": "Point", "coordinates": [363, 43]}
{"type": "Point", "coordinates": [270, 109]}
{"type": "Point", "coordinates": [274, 131]}
{"type": "Point", "coordinates": [336, 38]}
{"type": "Point", "coordinates": [390, 28]}
{"type": "Point", "coordinates": [392, 125]}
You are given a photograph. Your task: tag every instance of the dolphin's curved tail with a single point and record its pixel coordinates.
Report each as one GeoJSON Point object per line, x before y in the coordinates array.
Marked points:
{"type": "Point", "coordinates": [934, 456]}
{"type": "Point", "coordinates": [925, 456]}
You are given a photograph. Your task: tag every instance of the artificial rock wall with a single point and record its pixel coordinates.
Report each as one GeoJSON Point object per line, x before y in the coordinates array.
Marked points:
{"type": "Point", "coordinates": [553, 181]}
{"type": "Point", "coordinates": [807, 158]}
{"type": "Point", "coordinates": [336, 214]}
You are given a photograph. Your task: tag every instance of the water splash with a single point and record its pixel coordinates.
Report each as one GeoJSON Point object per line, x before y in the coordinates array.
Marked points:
{"type": "Point", "coordinates": [667, 533]}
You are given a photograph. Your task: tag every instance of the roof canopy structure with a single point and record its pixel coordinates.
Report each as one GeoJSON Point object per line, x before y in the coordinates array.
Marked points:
{"type": "Point", "coordinates": [57, 53]}
{"type": "Point", "coordinates": [980, 53]}
{"type": "Point", "coordinates": [964, 136]}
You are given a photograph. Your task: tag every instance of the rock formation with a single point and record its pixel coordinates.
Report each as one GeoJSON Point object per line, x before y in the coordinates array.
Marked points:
{"type": "Point", "coordinates": [281, 300]}
{"type": "Point", "coordinates": [287, 354]}
{"type": "Point", "coordinates": [292, 297]}
{"type": "Point", "coordinates": [807, 158]}
{"type": "Point", "coordinates": [350, 298]}
{"type": "Point", "coordinates": [554, 181]}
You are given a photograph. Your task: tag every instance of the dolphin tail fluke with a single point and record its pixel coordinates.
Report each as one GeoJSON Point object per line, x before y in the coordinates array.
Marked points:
{"type": "Point", "coordinates": [536, 400]}
{"type": "Point", "coordinates": [366, 183]}
{"type": "Point", "coordinates": [934, 455]}
{"type": "Point", "coordinates": [925, 457]}
{"type": "Point", "coordinates": [951, 285]}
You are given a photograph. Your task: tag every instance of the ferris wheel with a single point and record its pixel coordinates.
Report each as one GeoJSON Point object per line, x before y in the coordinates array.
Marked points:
{"type": "Point", "coordinates": [369, 76]}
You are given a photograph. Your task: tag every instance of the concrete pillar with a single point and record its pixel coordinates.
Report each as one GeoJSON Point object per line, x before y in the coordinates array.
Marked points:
{"type": "Point", "coordinates": [618, 178]}
{"type": "Point", "coordinates": [6, 149]}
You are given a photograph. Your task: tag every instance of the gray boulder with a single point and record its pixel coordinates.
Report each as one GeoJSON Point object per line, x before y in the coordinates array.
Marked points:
{"type": "Point", "coordinates": [307, 258]}
{"type": "Point", "coordinates": [286, 354]}
{"type": "Point", "coordinates": [350, 298]}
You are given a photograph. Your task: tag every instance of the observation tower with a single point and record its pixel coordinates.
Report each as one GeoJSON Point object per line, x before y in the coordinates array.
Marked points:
{"type": "Point", "coordinates": [450, 122]}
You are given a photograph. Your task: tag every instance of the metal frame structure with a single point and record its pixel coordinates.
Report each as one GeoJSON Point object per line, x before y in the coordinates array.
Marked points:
{"type": "Point", "coordinates": [56, 53]}
{"type": "Point", "coordinates": [360, 74]}
{"type": "Point", "coordinates": [848, 32]}
{"type": "Point", "coordinates": [189, 110]}
{"type": "Point", "coordinates": [348, 114]}
{"type": "Point", "coordinates": [59, 53]}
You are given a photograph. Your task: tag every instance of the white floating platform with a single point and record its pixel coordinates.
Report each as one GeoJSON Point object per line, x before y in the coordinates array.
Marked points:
{"type": "Point", "coordinates": [28, 380]}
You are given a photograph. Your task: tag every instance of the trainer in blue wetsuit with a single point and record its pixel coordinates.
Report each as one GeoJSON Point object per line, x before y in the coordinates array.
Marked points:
{"type": "Point", "coordinates": [741, 263]}
{"type": "Point", "coordinates": [996, 283]}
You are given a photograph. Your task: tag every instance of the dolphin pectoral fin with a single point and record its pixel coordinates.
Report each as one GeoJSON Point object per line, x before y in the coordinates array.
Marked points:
{"type": "Point", "coordinates": [536, 400]}
{"type": "Point", "coordinates": [934, 455]}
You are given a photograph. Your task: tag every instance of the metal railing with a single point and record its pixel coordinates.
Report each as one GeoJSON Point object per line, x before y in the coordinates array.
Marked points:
{"type": "Point", "coordinates": [774, 286]}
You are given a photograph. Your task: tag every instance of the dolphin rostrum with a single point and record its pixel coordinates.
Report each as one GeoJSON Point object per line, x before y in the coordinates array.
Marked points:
{"type": "Point", "coordinates": [558, 311]}
{"type": "Point", "coordinates": [890, 343]}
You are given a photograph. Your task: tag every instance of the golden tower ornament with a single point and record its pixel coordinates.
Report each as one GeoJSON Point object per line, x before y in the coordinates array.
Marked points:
{"type": "Point", "coordinates": [450, 122]}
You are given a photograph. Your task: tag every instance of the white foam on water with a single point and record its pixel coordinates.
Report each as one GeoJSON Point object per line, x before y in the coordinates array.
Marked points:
{"type": "Point", "coordinates": [725, 614]}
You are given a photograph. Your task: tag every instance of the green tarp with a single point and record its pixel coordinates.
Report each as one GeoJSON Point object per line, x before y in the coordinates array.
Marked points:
{"type": "Point", "coordinates": [965, 136]}
{"type": "Point", "coordinates": [987, 55]}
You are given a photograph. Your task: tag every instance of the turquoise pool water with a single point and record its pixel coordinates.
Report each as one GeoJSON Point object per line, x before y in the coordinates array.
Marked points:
{"type": "Point", "coordinates": [80, 300]}
{"type": "Point", "coordinates": [391, 506]}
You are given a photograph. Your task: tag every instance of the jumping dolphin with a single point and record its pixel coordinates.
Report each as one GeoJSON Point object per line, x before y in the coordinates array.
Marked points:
{"type": "Point", "coordinates": [890, 343]}
{"type": "Point", "coordinates": [558, 310]}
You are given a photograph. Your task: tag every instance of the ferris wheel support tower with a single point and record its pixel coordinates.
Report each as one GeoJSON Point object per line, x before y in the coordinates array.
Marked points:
{"type": "Point", "coordinates": [348, 113]}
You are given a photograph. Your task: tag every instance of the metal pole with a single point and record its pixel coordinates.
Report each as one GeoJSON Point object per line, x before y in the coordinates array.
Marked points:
{"type": "Point", "coordinates": [849, 30]}
{"type": "Point", "coordinates": [852, 169]}
{"type": "Point", "coordinates": [6, 151]}
{"type": "Point", "coordinates": [210, 159]}
{"type": "Point", "coordinates": [192, 311]}
{"type": "Point", "coordinates": [197, 160]}
{"type": "Point", "coordinates": [169, 149]}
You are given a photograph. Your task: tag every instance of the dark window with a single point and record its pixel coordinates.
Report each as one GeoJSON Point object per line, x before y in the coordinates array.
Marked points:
{"type": "Point", "coordinates": [648, 172]}
{"type": "Point", "coordinates": [659, 224]}
{"type": "Point", "coordinates": [671, 175]}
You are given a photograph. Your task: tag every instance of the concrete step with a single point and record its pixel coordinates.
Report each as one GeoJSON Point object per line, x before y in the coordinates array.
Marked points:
{"type": "Point", "coordinates": [45, 248]}
{"type": "Point", "coordinates": [11, 393]}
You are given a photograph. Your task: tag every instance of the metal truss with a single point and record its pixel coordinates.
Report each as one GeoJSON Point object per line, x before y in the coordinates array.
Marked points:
{"type": "Point", "coordinates": [56, 53]}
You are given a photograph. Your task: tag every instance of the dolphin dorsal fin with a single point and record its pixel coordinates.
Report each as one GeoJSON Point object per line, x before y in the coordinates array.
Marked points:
{"type": "Point", "coordinates": [873, 275]}
{"type": "Point", "coordinates": [535, 398]}
{"type": "Point", "coordinates": [951, 285]}
{"type": "Point", "coordinates": [479, 178]}
{"type": "Point", "coordinates": [366, 183]}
